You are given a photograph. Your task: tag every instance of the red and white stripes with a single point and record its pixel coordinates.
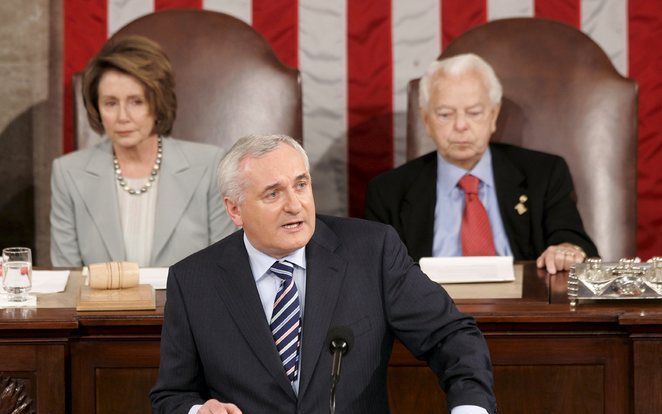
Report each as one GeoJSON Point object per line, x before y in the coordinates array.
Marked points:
{"type": "Point", "coordinates": [356, 58]}
{"type": "Point", "coordinates": [323, 66]}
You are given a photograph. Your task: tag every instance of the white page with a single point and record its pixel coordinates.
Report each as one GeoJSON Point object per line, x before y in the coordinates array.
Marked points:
{"type": "Point", "coordinates": [469, 269]}
{"type": "Point", "coordinates": [155, 276]}
{"type": "Point", "coordinates": [49, 281]}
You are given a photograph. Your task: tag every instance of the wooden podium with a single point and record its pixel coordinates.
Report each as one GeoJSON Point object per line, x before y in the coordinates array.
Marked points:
{"type": "Point", "coordinates": [547, 357]}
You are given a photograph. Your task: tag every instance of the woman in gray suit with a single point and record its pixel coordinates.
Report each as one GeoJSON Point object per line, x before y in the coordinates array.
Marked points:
{"type": "Point", "coordinates": [139, 195]}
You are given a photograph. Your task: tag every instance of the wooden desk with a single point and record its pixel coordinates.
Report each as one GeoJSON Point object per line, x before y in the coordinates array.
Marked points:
{"type": "Point", "coordinates": [547, 357]}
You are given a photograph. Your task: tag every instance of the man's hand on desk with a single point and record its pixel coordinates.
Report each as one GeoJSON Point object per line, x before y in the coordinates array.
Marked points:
{"type": "Point", "coordinates": [217, 407]}
{"type": "Point", "coordinates": [560, 257]}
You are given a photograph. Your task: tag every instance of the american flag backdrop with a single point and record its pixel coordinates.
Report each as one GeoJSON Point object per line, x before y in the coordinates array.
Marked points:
{"type": "Point", "coordinates": [356, 57]}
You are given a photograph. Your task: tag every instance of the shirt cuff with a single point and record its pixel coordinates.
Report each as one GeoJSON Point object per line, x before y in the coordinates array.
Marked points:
{"type": "Point", "coordinates": [460, 409]}
{"type": "Point", "coordinates": [468, 409]}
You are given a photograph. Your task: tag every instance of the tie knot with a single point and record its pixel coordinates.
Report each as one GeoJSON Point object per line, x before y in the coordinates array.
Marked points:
{"type": "Point", "coordinates": [283, 270]}
{"type": "Point", "coordinates": [469, 184]}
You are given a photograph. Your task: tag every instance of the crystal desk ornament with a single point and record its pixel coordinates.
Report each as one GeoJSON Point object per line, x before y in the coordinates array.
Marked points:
{"type": "Point", "coordinates": [654, 279]}
{"type": "Point", "coordinates": [595, 278]}
{"type": "Point", "coordinates": [627, 279]}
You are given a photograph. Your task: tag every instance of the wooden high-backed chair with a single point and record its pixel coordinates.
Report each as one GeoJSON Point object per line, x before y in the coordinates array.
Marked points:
{"type": "Point", "coordinates": [229, 82]}
{"type": "Point", "coordinates": [562, 95]}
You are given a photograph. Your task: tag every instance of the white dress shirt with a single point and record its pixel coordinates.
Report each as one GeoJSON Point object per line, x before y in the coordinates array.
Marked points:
{"type": "Point", "coordinates": [450, 205]}
{"type": "Point", "coordinates": [138, 215]}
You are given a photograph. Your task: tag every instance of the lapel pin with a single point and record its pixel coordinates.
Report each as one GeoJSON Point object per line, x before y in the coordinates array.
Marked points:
{"type": "Point", "coordinates": [520, 207]}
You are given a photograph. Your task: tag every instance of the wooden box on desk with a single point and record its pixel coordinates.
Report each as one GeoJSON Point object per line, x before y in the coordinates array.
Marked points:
{"type": "Point", "coordinates": [139, 297]}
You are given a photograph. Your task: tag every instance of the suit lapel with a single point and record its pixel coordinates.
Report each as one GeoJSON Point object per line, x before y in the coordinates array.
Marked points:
{"type": "Point", "coordinates": [324, 277]}
{"type": "Point", "coordinates": [417, 212]}
{"type": "Point", "coordinates": [178, 181]}
{"type": "Point", "coordinates": [236, 287]}
{"type": "Point", "coordinates": [510, 186]}
{"type": "Point", "coordinates": [96, 187]}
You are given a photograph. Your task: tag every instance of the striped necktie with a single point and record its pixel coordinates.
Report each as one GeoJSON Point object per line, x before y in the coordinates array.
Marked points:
{"type": "Point", "coordinates": [286, 319]}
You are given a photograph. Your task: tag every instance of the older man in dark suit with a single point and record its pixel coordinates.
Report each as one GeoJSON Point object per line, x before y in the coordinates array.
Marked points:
{"type": "Point", "coordinates": [246, 318]}
{"type": "Point", "coordinates": [474, 198]}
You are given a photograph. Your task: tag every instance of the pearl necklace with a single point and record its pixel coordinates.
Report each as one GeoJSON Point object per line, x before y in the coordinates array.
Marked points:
{"type": "Point", "coordinates": [152, 176]}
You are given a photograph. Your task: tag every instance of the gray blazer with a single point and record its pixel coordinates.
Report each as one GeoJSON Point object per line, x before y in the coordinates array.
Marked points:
{"type": "Point", "coordinates": [85, 218]}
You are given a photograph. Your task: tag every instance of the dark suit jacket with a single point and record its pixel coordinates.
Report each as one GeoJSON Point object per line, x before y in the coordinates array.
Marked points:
{"type": "Point", "coordinates": [406, 196]}
{"type": "Point", "coordinates": [216, 341]}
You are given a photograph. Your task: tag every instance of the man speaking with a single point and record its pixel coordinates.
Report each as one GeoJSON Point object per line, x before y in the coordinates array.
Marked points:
{"type": "Point", "coordinates": [246, 319]}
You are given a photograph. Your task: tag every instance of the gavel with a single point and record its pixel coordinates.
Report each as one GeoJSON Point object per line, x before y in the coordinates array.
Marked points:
{"type": "Point", "coordinates": [113, 275]}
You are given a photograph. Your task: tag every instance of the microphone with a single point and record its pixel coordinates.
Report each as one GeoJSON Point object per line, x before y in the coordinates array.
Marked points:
{"type": "Point", "coordinates": [340, 340]}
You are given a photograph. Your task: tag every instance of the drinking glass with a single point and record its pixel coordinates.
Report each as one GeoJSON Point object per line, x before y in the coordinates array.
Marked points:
{"type": "Point", "coordinates": [17, 273]}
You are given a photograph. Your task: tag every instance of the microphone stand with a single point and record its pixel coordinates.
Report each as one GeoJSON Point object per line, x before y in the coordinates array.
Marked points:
{"type": "Point", "coordinates": [339, 347]}
{"type": "Point", "coordinates": [332, 403]}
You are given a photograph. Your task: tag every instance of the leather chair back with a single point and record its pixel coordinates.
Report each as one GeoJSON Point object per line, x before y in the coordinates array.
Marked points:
{"type": "Point", "coordinates": [562, 95]}
{"type": "Point", "coordinates": [229, 82]}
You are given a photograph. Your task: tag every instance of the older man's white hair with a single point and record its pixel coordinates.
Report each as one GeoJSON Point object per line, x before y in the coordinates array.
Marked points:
{"type": "Point", "coordinates": [230, 178]}
{"type": "Point", "coordinates": [456, 66]}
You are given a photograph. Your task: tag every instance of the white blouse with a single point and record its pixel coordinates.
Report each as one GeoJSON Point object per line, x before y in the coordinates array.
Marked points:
{"type": "Point", "coordinates": [137, 214]}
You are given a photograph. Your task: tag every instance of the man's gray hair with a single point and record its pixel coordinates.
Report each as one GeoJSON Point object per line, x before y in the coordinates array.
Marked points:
{"type": "Point", "coordinates": [230, 178]}
{"type": "Point", "coordinates": [456, 66]}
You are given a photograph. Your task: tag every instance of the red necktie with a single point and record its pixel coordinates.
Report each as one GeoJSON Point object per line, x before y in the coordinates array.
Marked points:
{"type": "Point", "coordinates": [476, 232]}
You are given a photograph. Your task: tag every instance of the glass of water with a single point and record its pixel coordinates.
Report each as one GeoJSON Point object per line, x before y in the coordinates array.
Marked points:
{"type": "Point", "coordinates": [17, 273]}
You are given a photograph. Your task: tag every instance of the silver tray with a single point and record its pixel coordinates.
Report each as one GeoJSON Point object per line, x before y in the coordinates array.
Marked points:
{"type": "Point", "coordinates": [626, 279]}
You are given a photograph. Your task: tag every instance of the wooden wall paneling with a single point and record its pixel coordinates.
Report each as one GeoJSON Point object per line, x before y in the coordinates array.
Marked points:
{"type": "Point", "coordinates": [543, 373]}
{"type": "Point", "coordinates": [51, 379]}
{"type": "Point", "coordinates": [40, 368]}
{"type": "Point", "coordinates": [647, 355]}
{"type": "Point", "coordinates": [133, 384]}
{"type": "Point", "coordinates": [555, 373]}
{"type": "Point", "coordinates": [414, 389]}
{"type": "Point", "coordinates": [110, 377]}
{"type": "Point", "coordinates": [412, 386]}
